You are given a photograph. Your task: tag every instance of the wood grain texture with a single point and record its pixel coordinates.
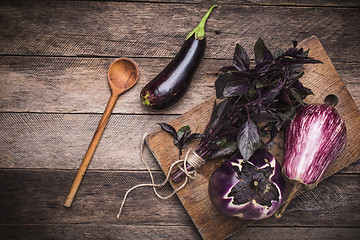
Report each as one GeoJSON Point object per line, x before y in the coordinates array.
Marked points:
{"type": "Point", "coordinates": [42, 138]}
{"type": "Point", "coordinates": [31, 199]}
{"type": "Point", "coordinates": [30, 140]}
{"type": "Point", "coordinates": [80, 28]}
{"type": "Point", "coordinates": [54, 57]}
{"type": "Point", "coordinates": [79, 85]}
{"type": "Point", "coordinates": [106, 231]}
{"type": "Point", "coordinates": [315, 3]}
{"type": "Point", "coordinates": [322, 79]}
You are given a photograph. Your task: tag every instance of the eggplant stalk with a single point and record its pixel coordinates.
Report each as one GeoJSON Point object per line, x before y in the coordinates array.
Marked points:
{"type": "Point", "coordinates": [199, 31]}
{"type": "Point", "coordinates": [295, 188]}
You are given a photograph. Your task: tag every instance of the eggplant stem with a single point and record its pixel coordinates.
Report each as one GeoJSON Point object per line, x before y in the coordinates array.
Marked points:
{"type": "Point", "coordinates": [293, 191]}
{"type": "Point", "coordinates": [199, 31]}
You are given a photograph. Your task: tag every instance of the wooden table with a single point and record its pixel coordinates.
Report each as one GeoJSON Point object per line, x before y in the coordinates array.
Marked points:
{"type": "Point", "coordinates": [54, 57]}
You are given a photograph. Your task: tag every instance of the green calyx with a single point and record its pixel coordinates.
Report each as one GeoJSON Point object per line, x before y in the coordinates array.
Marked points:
{"type": "Point", "coordinates": [199, 31]}
{"type": "Point", "coordinates": [145, 100]}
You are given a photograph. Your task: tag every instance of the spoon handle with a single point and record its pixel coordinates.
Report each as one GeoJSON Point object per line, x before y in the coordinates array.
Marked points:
{"type": "Point", "coordinates": [94, 142]}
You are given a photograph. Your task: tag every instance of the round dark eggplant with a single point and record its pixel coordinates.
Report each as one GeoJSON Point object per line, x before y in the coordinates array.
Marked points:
{"type": "Point", "coordinates": [252, 189]}
{"type": "Point", "coordinates": [171, 84]}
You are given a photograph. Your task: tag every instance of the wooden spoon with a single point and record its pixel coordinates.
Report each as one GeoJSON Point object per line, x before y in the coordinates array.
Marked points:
{"type": "Point", "coordinates": [123, 73]}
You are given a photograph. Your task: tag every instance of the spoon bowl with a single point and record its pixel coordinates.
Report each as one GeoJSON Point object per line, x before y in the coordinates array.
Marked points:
{"type": "Point", "coordinates": [123, 73]}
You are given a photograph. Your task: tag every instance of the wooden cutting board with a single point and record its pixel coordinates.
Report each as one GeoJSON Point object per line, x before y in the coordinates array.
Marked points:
{"type": "Point", "coordinates": [321, 78]}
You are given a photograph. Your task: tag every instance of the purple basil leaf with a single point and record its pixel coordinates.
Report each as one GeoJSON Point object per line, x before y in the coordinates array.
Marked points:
{"type": "Point", "coordinates": [180, 141]}
{"type": "Point", "coordinates": [292, 51]}
{"type": "Point", "coordinates": [219, 112]}
{"type": "Point", "coordinates": [278, 53]}
{"type": "Point", "coordinates": [304, 91]}
{"type": "Point", "coordinates": [248, 139]}
{"type": "Point", "coordinates": [295, 43]}
{"type": "Point", "coordinates": [306, 53]}
{"type": "Point", "coordinates": [185, 141]}
{"type": "Point", "coordinates": [236, 88]}
{"type": "Point", "coordinates": [284, 96]}
{"type": "Point", "coordinates": [271, 94]}
{"type": "Point", "coordinates": [265, 116]}
{"type": "Point", "coordinates": [231, 131]}
{"type": "Point", "coordinates": [225, 151]}
{"type": "Point", "coordinates": [187, 137]}
{"type": "Point", "coordinates": [195, 136]}
{"type": "Point", "coordinates": [221, 83]}
{"type": "Point", "coordinates": [241, 59]}
{"type": "Point", "coordinates": [259, 51]}
{"type": "Point", "coordinates": [183, 132]}
{"type": "Point", "coordinates": [262, 53]}
{"type": "Point", "coordinates": [238, 75]}
{"type": "Point", "coordinates": [295, 76]}
{"type": "Point", "coordinates": [297, 96]}
{"type": "Point", "coordinates": [268, 55]}
{"type": "Point", "coordinates": [168, 128]}
{"type": "Point", "coordinates": [290, 113]}
{"type": "Point", "coordinates": [228, 69]}
{"type": "Point", "coordinates": [262, 68]}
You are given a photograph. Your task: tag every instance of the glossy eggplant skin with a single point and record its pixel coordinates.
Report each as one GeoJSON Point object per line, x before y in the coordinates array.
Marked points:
{"type": "Point", "coordinates": [315, 138]}
{"type": "Point", "coordinates": [168, 87]}
{"type": "Point", "coordinates": [232, 188]}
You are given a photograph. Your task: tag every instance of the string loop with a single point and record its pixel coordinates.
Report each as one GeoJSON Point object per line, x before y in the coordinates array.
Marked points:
{"type": "Point", "coordinates": [191, 158]}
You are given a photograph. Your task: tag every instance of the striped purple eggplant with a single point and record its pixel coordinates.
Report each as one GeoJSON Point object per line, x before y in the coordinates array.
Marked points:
{"type": "Point", "coordinates": [315, 138]}
{"type": "Point", "coordinates": [250, 189]}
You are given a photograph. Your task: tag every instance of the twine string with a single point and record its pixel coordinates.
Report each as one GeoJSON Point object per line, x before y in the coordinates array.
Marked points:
{"type": "Point", "coordinates": [191, 158]}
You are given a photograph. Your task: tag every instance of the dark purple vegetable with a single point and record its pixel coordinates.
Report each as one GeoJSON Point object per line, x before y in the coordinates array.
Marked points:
{"type": "Point", "coordinates": [254, 104]}
{"type": "Point", "coordinates": [250, 189]}
{"type": "Point", "coordinates": [170, 85]}
{"type": "Point", "coordinates": [314, 139]}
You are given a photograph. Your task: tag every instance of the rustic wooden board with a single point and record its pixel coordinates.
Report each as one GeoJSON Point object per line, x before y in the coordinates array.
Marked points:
{"type": "Point", "coordinates": [142, 29]}
{"type": "Point", "coordinates": [321, 78]}
{"type": "Point", "coordinates": [33, 198]}
{"type": "Point", "coordinates": [79, 85]}
{"type": "Point", "coordinates": [106, 231]}
{"type": "Point", "coordinates": [36, 140]}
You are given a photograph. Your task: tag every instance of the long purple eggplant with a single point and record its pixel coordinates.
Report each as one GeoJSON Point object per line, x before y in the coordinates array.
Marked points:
{"type": "Point", "coordinates": [170, 85]}
{"type": "Point", "coordinates": [314, 139]}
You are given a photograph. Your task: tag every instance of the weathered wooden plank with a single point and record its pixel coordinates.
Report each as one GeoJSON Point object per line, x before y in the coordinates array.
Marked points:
{"type": "Point", "coordinates": [79, 85]}
{"type": "Point", "coordinates": [61, 140]}
{"type": "Point", "coordinates": [116, 231]}
{"type": "Point", "coordinates": [316, 3]}
{"type": "Point", "coordinates": [36, 197]}
{"type": "Point", "coordinates": [34, 140]}
{"type": "Point", "coordinates": [120, 29]}
{"type": "Point", "coordinates": [100, 231]}
{"type": "Point", "coordinates": [261, 233]}
{"type": "Point", "coordinates": [349, 73]}
{"type": "Point", "coordinates": [315, 204]}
